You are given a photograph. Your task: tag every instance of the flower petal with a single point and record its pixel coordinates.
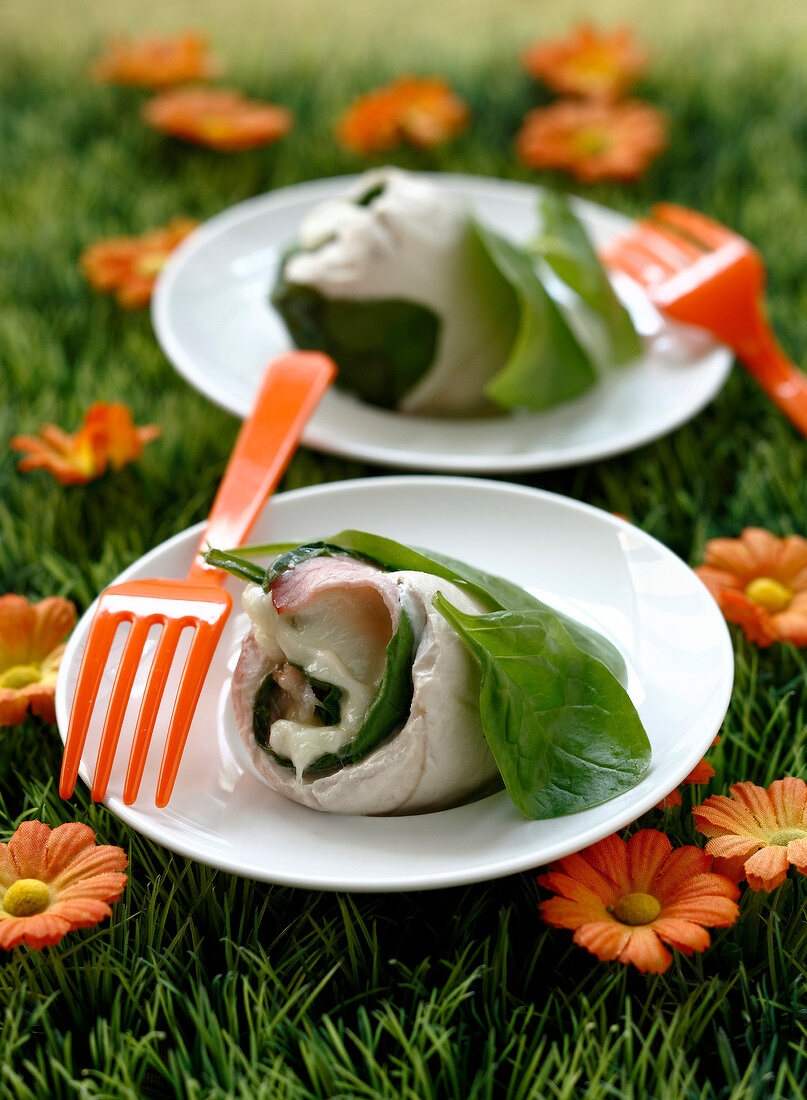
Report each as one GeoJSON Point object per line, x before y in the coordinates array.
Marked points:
{"type": "Point", "coordinates": [41, 930]}
{"type": "Point", "coordinates": [767, 869]}
{"type": "Point", "coordinates": [605, 939]}
{"type": "Point", "coordinates": [648, 849]}
{"type": "Point", "coordinates": [684, 935]}
{"type": "Point", "coordinates": [563, 913]}
{"type": "Point", "coordinates": [95, 861]}
{"type": "Point", "coordinates": [104, 887]}
{"type": "Point", "coordinates": [645, 950]}
{"type": "Point", "coordinates": [27, 848]}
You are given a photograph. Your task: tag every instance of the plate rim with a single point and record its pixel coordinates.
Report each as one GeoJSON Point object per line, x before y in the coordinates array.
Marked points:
{"type": "Point", "coordinates": [151, 826]}
{"type": "Point", "coordinates": [494, 187]}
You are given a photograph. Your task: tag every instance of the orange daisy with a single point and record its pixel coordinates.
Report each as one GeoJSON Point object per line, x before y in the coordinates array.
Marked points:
{"type": "Point", "coordinates": [593, 141]}
{"type": "Point", "coordinates": [755, 834]}
{"type": "Point", "coordinates": [107, 438]}
{"type": "Point", "coordinates": [220, 118]}
{"type": "Point", "coordinates": [588, 62]}
{"type": "Point", "coordinates": [31, 649]}
{"type": "Point", "coordinates": [760, 582]}
{"type": "Point", "coordinates": [421, 111]}
{"type": "Point", "coordinates": [154, 62]}
{"type": "Point", "coordinates": [129, 266]}
{"type": "Point", "coordinates": [626, 899]}
{"type": "Point", "coordinates": [54, 881]}
{"type": "Point", "coordinates": [702, 773]}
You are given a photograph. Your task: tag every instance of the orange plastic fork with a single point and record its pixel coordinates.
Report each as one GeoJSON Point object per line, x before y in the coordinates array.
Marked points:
{"type": "Point", "coordinates": [290, 391]}
{"type": "Point", "coordinates": [698, 271]}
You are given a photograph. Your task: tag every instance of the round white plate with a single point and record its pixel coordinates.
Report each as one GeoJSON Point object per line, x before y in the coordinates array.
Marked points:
{"type": "Point", "coordinates": [584, 561]}
{"type": "Point", "coordinates": [212, 317]}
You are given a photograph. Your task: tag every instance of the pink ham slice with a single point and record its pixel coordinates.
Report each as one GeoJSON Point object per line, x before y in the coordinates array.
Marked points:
{"type": "Point", "coordinates": [299, 587]}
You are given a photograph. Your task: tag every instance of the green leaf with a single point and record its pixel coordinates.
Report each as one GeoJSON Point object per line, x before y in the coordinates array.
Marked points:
{"type": "Point", "coordinates": [564, 244]}
{"type": "Point", "coordinates": [494, 592]}
{"type": "Point", "coordinates": [546, 364]}
{"type": "Point", "coordinates": [563, 731]}
{"type": "Point", "coordinates": [381, 346]}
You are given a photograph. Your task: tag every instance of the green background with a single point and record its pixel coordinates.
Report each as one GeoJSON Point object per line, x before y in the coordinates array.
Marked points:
{"type": "Point", "coordinates": [205, 985]}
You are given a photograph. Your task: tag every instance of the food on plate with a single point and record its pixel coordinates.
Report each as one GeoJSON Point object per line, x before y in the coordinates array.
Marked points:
{"type": "Point", "coordinates": [378, 678]}
{"type": "Point", "coordinates": [430, 312]}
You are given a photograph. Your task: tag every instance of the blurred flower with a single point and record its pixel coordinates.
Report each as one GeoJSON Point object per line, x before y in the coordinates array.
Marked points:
{"type": "Point", "coordinates": [421, 111]}
{"type": "Point", "coordinates": [760, 582]}
{"type": "Point", "coordinates": [54, 881]}
{"type": "Point", "coordinates": [30, 654]}
{"type": "Point", "coordinates": [593, 141]}
{"type": "Point", "coordinates": [220, 118]}
{"type": "Point", "coordinates": [626, 899]}
{"type": "Point", "coordinates": [588, 63]}
{"type": "Point", "coordinates": [755, 834]}
{"type": "Point", "coordinates": [703, 772]}
{"type": "Point", "coordinates": [129, 266]}
{"type": "Point", "coordinates": [107, 437]}
{"type": "Point", "coordinates": [154, 62]}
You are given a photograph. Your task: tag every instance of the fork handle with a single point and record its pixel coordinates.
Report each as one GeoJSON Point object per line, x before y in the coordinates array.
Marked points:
{"type": "Point", "coordinates": [289, 392]}
{"type": "Point", "coordinates": [778, 376]}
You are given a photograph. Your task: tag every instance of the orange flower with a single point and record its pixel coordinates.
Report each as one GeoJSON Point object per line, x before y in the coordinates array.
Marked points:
{"type": "Point", "coordinates": [593, 141]}
{"type": "Point", "coordinates": [107, 437]}
{"type": "Point", "coordinates": [220, 118]}
{"type": "Point", "coordinates": [154, 62]}
{"type": "Point", "coordinates": [423, 112]}
{"type": "Point", "coordinates": [588, 63]}
{"type": "Point", "coordinates": [756, 833]}
{"type": "Point", "coordinates": [760, 582]}
{"type": "Point", "coordinates": [129, 266]}
{"type": "Point", "coordinates": [52, 882]}
{"type": "Point", "coordinates": [703, 772]}
{"type": "Point", "coordinates": [30, 653]}
{"type": "Point", "coordinates": [625, 900]}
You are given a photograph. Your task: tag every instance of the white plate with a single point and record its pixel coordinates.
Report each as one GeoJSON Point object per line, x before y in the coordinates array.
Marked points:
{"type": "Point", "coordinates": [581, 560]}
{"type": "Point", "coordinates": [211, 314]}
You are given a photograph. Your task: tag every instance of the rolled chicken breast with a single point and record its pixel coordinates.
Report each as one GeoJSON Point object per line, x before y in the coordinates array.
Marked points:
{"type": "Point", "coordinates": [353, 695]}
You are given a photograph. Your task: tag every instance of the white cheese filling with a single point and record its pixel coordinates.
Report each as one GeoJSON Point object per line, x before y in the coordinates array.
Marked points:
{"type": "Point", "coordinates": [309, 639]}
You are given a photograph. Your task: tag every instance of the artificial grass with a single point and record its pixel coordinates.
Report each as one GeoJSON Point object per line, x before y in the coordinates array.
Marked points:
{"type": "Point", "coordinates": [206, 985]}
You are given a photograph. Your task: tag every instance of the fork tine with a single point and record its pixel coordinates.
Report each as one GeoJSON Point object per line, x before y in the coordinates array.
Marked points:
{"type": "Point", "coordinates": [99, 642]}
{"type": "Point", "coordinates": [200, 655]}
{"type": "Point", "coordinates": [639, 263]}
{"type": "Point", "coordinates": [149, 707]}
{"type": "Point", "coordinates": [116, 708]}
{"type": "Point", "coordinates": [697, 225]}
{"type": "Point", "coordinates": [677, 251]}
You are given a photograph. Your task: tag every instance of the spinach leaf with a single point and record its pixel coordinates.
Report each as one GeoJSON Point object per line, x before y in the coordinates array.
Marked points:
{"type": "Point", "coordinates": [564, 244]}
{"type": "Point", "coordinates": [383, 346]}
{"type": "Point", "coordinates": [494, 592]}
{"type": "Point", "coordinates": [563, 731]}
{"type": "Point", "coordinates": [328, 698]}
{"type": "Point", "coordinates": [546, 364]}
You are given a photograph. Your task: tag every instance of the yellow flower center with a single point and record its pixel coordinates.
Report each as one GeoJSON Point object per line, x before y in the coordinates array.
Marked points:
{"type": "Point", "coordinates": [20, 676]}
{"type": "Point", "coordinates": [784, 836]}
{"type": "Point", "coordinates": [636, 909]}
{"type": "Point", "coordinates": [150, 263]}
{"type": "Point", "coordinates": [25, 897]}
{"type": "Point", "coordinates": [591, 140]}
{"type": "Point", "coordinates": [769, 593]}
